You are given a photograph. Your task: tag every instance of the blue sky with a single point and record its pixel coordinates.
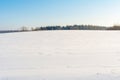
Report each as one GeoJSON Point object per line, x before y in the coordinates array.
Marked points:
{"type": "Point", "coordinates": [34, 13]}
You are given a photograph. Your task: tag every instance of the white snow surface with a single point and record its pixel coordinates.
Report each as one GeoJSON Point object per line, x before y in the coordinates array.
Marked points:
{"type": "Point", "coordinates": [60, 55]}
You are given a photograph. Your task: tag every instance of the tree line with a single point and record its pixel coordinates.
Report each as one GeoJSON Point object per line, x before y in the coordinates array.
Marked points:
{"type": "Point", "coordinates": [72, 27]}
{"type": "Point", "coordinates": [67, 27]}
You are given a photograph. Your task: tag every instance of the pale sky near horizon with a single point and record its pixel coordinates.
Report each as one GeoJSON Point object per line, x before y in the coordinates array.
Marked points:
{"type": "Point", "coordinates": [34, 13]}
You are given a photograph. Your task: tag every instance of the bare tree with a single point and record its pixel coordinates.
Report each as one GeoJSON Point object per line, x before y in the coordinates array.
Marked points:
{"type": "Point", "coordinates": [24, 28]}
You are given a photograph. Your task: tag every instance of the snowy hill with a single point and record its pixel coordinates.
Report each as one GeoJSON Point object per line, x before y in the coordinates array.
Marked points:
{"type": "Point", "coordinates": [60, 55]}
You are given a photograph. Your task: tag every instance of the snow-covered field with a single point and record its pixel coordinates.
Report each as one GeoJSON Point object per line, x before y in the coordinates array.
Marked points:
{"type": "Point", "coordinates": [60, 55]}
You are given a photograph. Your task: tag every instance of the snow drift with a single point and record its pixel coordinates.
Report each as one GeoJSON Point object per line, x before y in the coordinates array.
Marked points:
{"type": "Point", "coordinates": [60, 55]}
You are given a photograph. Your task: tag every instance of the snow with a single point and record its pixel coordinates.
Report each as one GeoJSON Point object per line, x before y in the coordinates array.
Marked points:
{"type": "Point", "coordinates": [60, 55]}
